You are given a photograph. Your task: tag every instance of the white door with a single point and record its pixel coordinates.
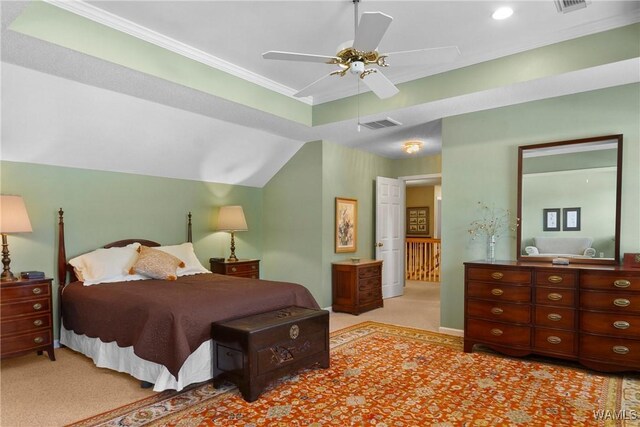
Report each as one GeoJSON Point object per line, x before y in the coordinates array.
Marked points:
{"type": "Point", "coordinates": [390, 234]}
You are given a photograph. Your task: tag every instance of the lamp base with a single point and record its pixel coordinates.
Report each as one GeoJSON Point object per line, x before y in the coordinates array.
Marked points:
{"type": "Point", "coordinates": [232, 257]}
{"type": "Point", "coordinates": [7, 275]}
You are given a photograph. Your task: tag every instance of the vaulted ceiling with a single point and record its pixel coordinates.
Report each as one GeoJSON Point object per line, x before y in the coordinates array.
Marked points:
{"type": "Point", "coordinates": [179, 89]}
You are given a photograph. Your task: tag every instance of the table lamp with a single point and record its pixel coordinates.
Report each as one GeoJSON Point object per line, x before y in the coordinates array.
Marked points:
{"type": "Point", "coordinates": [231, 219]}
{"type": "Point", "coordinates": [13, 219]}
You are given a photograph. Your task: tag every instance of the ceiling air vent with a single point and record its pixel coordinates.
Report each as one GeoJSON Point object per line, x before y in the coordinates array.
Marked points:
{"type": "Point", "coordinates": [381, 124]}
{"type": "Point", "coordinates": [565, 6]}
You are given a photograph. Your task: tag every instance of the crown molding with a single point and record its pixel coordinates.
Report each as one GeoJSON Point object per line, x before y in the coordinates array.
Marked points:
{"type": "Point", "coordinates": [118, 23]}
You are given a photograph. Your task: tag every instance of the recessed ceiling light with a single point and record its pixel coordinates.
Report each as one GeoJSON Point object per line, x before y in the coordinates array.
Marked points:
{"type": "Point", "coordinates": [502, 13]}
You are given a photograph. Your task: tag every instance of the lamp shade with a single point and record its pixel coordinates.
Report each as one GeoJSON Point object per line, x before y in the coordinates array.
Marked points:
{"type": "Point", "coordinates": [231, 218]}
{"type": "Point", "coordinates": [13, 215]}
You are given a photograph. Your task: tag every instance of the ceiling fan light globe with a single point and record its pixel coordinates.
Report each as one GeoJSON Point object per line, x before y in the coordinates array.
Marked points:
{"type": "Point", "coordinates": [357, 67]}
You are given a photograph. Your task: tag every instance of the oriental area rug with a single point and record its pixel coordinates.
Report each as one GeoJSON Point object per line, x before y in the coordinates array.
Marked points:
{"type": "Point", "coordinates": [383, 375]}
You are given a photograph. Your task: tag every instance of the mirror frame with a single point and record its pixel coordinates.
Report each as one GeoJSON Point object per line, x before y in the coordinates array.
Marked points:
{"type": "Point", "coordinates": [523, 148]}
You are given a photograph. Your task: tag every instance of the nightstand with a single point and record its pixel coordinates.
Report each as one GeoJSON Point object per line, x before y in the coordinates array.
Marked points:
{"type": "Point", "coordinates": [26, 317]}
{"type": "Point", "coordinates": [248, 268]}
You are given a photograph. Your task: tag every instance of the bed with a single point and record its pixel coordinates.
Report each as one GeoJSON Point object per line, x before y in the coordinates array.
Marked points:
{"type": "Point", "coordinates": [157, 330]}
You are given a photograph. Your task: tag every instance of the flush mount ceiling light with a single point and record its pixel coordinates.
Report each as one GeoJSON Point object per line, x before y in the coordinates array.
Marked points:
{"type": "Point", "coordinates": [412, 147]}
{"type": "Point", "coordinates": [502, 13]}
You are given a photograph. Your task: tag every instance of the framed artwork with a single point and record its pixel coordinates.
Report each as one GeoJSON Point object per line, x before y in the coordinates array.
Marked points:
{"type": "Point", "coordinates": [346, 225]}
{"type": "Point", "coordinates": [417, 221]}
{"type": "Point", "coordinates": [571, 219]}
{"type": "Point", "coordinates": [551, 219]}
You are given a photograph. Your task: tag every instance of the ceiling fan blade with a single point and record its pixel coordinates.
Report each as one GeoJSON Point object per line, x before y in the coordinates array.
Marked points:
{"type": "Point", "coordinates": [435, 55]}
{"type": "Point", "coordinates": [380, 84]}
{"type": "Point", "coordinates": [293, 56]}
{"type": "Point", "coordinates": [317, 86]}
{"type": "Point", "coordinates": [370, 30]}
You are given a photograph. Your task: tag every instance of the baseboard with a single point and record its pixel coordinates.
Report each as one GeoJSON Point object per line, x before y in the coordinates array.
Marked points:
{"type": "Point", "coordinates": [56, 343]}
{"type": "Point", "coordinates": [450, 331]}
{"type": "Point", "coordinates": [329, 309]}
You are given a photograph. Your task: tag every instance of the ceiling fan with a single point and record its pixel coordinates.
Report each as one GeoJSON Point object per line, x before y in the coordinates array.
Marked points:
{"type": "Point", "coordinates": [360, 56]}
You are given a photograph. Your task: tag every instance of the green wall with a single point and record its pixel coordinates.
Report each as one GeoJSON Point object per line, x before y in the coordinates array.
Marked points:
{"type": "Point", "coordinates": [479, 163]}
{"type": "Point", "coordinates": [102, 207]}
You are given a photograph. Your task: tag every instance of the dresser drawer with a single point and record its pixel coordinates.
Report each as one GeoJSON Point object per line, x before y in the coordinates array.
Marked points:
{"type": "Point", "coordinates": [625, 352]}
{"type": "Point", "coordinates": [35, 305]}
{"type": "Point", "coordinates": [499, 292]}
{"type": "Point", "coordinates": [498, 333]}
{"type": "Point", "coordinates": [611, 301]}
{"type": "Point", "coordinates": [618, 324]}
{"type": "Point", "coordinates": [555, 296]}
{"type": "Point", "coordinates": [370, 295]}
{"type": "Point", "coordinates": [499, 275]}
{"type": "Point", "coordinates": [555, 341]}
{"type": "Point", "coordinates": [371, 271]}
{"type": "Point", "coordinates": [368, 284]}
{"type": "Point", "coordinates": [610, 280]}
{"type": "Point", "coordinates": [555, 278]}
{"type": "Point", "coordinates": [24, 324]}
{"type": "Point", "coordinates": [555, 317]}
{"type": "Point", "coordinates": [31, 340]}
{"type": "Point", "coordinates": [501, 311]}
{"type": "Point", "coordinates": [24, 291]}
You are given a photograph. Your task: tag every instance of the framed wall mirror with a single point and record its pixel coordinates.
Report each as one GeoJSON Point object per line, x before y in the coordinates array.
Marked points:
{"type": "Point", "coordinates": [569, 198]}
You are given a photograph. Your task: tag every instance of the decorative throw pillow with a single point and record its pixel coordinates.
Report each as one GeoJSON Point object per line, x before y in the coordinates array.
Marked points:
{"type": "Point", "coordinates": [186, 253]}
{"type": "Point", "coordinates": [156, 264]}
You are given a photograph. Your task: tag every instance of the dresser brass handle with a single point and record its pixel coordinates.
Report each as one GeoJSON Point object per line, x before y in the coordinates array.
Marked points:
{"type": "Point", "coordinates": [497, 275]}
{"type": "Point", "coordinates": [622, 283]}
{"type": "Point", "coordinates": [554, 340]}
{"type": "Point", "coordinates": [554, 279]}
{"type": "Point", "coordinates": [497, 332]}
{"type": "Point", "coordinates": [621, 324]}
{"type": "Point", "coordinates": [554, 317]}
{"type": "Point", "coordinates": [234, 269]}
{"type": "Point", "coordinates": [497, 310]}
{"type": "Point", "coordinates": [554, 297]}
{"type": "Point", "coordinates": [37, 322]}
{"type": "Point", "coordinates": [497, 291]}
{"type": "Point", "coordinates": [37, 306]}
{"type": "Point", "coordinates": [620, 349]}
{"type": "Point", "coordinates": [253, 267]}
{"type": "Point", "coordinates": [37, 290]}
{"type": "Point", "coordinates": [38, 340]}
{"type": "Point", "coordinates": [621, 302]}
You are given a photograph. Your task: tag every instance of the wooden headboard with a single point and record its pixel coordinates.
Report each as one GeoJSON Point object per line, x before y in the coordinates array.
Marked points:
{"type": "Point", "coordinates": [64, 269]}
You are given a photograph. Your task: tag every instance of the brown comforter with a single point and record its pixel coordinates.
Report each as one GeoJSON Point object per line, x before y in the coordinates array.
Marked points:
{"type": "Point", "coordinates": [167, 321]}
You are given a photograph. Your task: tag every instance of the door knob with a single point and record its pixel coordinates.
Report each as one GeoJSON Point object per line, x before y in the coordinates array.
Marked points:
{"type": "Point", "coordinates": [379, 244]}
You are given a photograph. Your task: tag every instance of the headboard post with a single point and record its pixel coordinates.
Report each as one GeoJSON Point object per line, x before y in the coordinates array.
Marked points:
{"type": "Point", "coordinates": [189, 239]}
{"type": "Point", "coordinates": [62, 255]}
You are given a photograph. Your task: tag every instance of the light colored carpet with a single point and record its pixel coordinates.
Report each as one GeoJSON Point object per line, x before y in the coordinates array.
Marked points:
{"type": "Point", "coordinates": [37, 392]}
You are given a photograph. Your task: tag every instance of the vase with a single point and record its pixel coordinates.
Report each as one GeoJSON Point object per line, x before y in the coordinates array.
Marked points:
{"type": "Point", "coordinates": [491, 248]}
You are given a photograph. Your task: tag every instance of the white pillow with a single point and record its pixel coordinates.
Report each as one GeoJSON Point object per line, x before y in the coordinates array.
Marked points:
{"type": "Point", "coordinates": [187, 255]}
{"type": "Point", "coordinates": [107, 265]}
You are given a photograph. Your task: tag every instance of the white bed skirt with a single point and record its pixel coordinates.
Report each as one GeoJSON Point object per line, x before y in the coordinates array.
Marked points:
{"type": "Point", "coordinates": [196, 368]}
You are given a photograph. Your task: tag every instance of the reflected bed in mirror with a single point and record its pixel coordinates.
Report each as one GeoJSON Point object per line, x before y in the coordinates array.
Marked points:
{"type": "Point", "coordinates": [569, 200]}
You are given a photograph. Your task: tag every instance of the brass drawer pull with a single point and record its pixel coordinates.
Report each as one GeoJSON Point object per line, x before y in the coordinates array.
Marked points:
{"type": "Point", "coordinates": [620, 349]}
{"type": "Point", "coordinates": [497, 275]}
{"type": "Point", "coordinates": [554, 297]}
{"type": "Point", "coordinates": [554, 340]}
{"type": "Point", "coordinates": [554, 317]}
{"type": "Point", "coordinates": [621, 324]}
{"type": "Point", "coordinates": [253, 267]}
{"type": "Point", "coordinates": [497, 310]}
{"type": "Point", "coordinates": [497, 332]}
{"type": "Point", "coordinates": [621, 302]}
{"type": "Point", "coordinates": [38, 340]}
{"type": "Point", "coordinates": [37, 322]}
{"type": "Point", "coordinates": [554, 279]}
{"type": "Point", "coordinates": [37, 290]}
{"type": "Point", "coordinates": [622, 283]}
{"type": "Point", "coordinates": [497, 291]}
{"type": "Point", "coordinates": [37, 306]}
{"type": "Point", "coordinates": [234, 269]}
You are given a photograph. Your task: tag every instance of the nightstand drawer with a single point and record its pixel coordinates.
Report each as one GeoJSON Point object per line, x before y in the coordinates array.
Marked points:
{"type": "Point", "coordinates": [24, 324]}
{"type": "Point", "coordinates": [24, 291]}
{"type": "Point", "coordinates": [20, 343]}
{"type": "Point", "coordinates": [242, 268]}
{"type": "Point", "coordinates": [36, 305]}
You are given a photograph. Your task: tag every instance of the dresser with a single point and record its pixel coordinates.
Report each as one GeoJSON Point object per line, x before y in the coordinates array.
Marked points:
{"type": "Point", "coordinates": [249, 268]}
{"type": "Point", "coordinates": [586, 313]}
{"type": "Point", "coordinates": [26, 317]}
{"type": "Point", "coordinates": [356, 286]}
